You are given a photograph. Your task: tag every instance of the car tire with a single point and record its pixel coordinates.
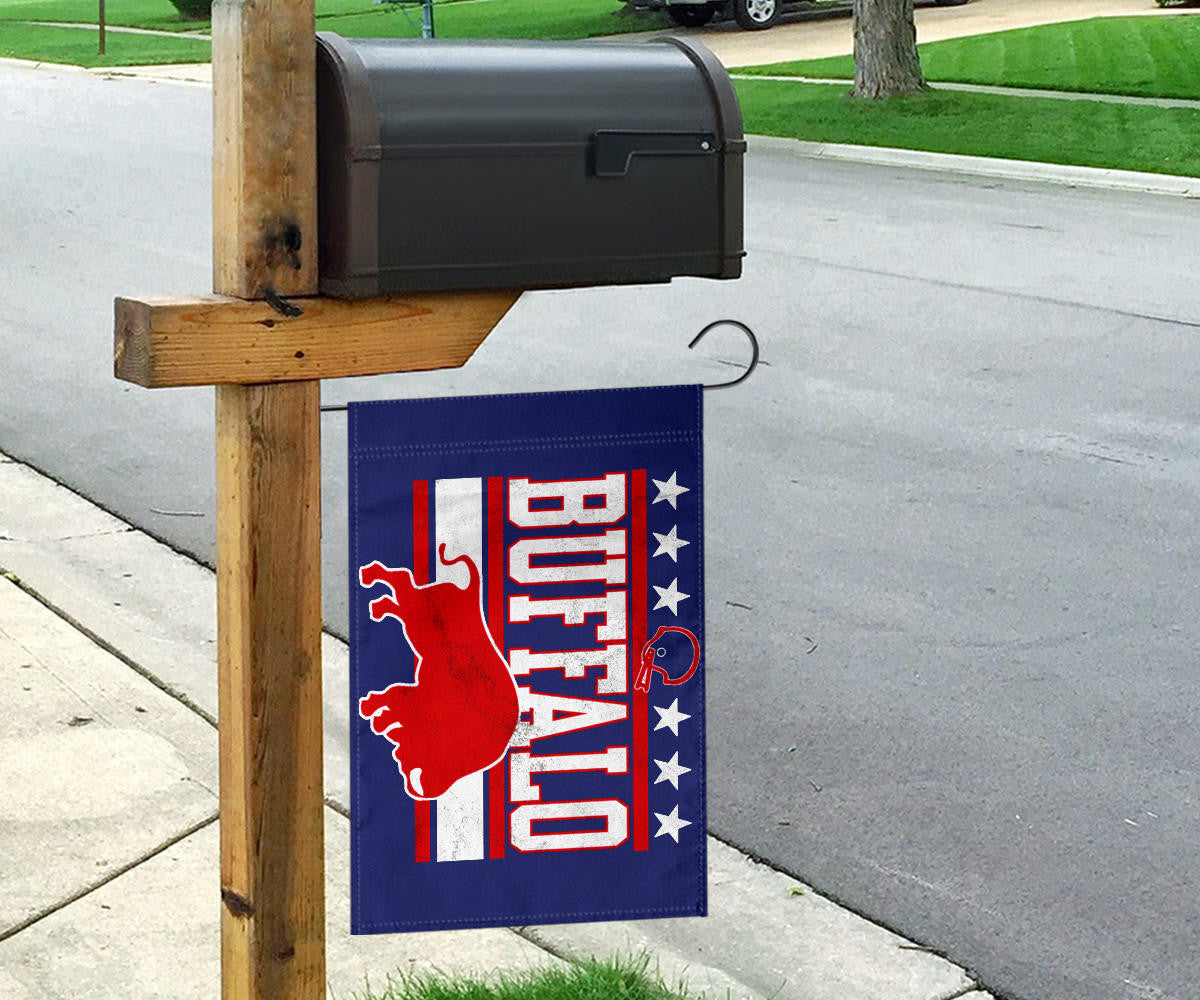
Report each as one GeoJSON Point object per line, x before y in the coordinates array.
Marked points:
{"type": "Point", "coordinates": [691, 15]}
{"type": "Point", "coordinates": [755, 15]}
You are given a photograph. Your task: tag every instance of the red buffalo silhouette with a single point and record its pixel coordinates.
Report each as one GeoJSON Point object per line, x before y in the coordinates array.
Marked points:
{"type": "Point", "coordinates": [460, 711]}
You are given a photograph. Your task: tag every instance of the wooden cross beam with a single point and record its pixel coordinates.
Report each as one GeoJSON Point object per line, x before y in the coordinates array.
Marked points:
{"type": "Point", "coordinates": [266, 367]}
{"type": "Point", "coordinates": [165, 340]}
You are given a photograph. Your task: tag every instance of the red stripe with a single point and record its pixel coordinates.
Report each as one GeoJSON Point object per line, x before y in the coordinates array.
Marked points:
{"type": "Point", "coordinates": [420, 569]}
{"type": "Point", "coordinates": [637, 639]}
{"type": "Point", "coordinates": [497, 805]}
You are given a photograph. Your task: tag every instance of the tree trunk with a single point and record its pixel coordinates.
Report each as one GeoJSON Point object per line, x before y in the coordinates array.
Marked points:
{"type": "Point", "coordinates": [885, 49]}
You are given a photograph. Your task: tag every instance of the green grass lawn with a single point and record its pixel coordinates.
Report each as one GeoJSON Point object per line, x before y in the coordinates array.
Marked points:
{"type": "Point", "coordinates": [1084, 133]}
{"type": "Point", "coordinates": [1155, 56]}
{"type": "Point", "coordinates": [1143, 56]}
{"type": "Point", "coordinates": [594, 980]}
{"type": "Point", "coordinates": [79, 47]}
{"type": "Point", "coordinates": [563, 19]}
{"type": "Point", "coordinates": [158, 14]}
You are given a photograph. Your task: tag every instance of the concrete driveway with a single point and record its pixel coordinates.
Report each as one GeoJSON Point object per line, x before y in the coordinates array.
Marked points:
{"type": "Point", "coordinates": [799, 38]}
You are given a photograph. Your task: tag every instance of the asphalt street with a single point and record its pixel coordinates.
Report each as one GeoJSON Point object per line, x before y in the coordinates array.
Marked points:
{"type": "Point", "coordinates": [952, 589]}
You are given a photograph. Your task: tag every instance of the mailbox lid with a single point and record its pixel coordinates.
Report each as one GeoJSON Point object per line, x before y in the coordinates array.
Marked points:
{"type": "Point", "coordinates": [464, 92]}
{"type": "Point", "coordinates": [413, 111]}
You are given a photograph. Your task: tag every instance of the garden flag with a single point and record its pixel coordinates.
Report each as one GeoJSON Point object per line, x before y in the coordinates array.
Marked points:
{"type": "Point", "coordinates": [527, 651]}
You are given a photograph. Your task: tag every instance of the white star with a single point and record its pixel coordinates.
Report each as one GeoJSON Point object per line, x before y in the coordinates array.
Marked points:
{"type": "Point", "coordinates": [671, 824]}
{"type": "Point", "coordinates": [669, 597]}
{"type": "Point", "coordinates": [670, 717]}
{"type": "Point", "coordinates": [669, 490]}
{"type": "Point", "coordinates": [670, 543]}
{"type": "Point", "coordinates": [670, 770]}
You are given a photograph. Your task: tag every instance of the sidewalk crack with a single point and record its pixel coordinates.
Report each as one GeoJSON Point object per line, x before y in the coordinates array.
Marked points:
{"type": "Point", "coordinates": [964, 992]}
{"type": "Point", "coordinates": [109, 648]}
{"type": "Point", "coordinates": [101, 533]}
{"type": "Point", "coordinates": [115, 874]}
{"type": "Point", "coordinates": [531, 935]}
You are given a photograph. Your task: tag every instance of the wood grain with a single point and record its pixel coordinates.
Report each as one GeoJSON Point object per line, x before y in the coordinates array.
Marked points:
{"type": "Point", "coordinates": [264, 148]}
{"type": "Point", "coordinates": [268, 508]}
{"type": "Point", "coordinates": [269, 662]}
{"type": "Point", "coordinates": [207, 340]}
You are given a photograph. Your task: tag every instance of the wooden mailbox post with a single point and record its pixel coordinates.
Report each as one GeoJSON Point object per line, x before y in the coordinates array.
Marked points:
{"type": "Point", "coordinates": [266, 363]}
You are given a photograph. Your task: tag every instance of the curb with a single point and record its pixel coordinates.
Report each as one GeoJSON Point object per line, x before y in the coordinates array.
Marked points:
{"type": "Point", "coordinates": [190, 74]}
{"type": "Point", "coordinates": [985, 166]}
{"type": "Point", "coordinates": [186, 73]}
{"type": "Point", "coordinates": [10, 62]}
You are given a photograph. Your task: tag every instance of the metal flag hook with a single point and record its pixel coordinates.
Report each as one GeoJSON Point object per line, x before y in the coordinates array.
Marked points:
{"type": "Point", "coordinates": [753, 350]}
{"type": "Point", "coordinates": [694, 341]}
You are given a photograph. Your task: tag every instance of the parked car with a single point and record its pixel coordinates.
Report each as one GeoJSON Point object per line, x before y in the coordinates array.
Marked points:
{"type": "Point", "coordinates": [753, 15]}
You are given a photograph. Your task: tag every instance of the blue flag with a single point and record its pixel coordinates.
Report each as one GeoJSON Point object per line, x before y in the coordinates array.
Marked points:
{"type": "Point", "coordinates": [527, 649]}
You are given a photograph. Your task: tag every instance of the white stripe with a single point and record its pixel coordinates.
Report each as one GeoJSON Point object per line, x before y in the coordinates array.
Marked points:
{"type": "Point", "coordinates": [458, 521]}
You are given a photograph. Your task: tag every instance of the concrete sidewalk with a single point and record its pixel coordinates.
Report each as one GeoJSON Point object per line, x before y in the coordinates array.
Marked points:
{"type": "Point", "coordinates": [108, 824]}
{"type": "Point", "coordinates": [983, 88]}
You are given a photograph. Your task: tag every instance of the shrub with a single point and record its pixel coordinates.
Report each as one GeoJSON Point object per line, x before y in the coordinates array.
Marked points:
{"type": "Point", "coordinates": [193, 10]}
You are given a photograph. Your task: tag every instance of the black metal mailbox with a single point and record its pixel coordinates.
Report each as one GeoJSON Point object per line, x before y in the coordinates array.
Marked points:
{"type": "Point", "coordinates": [464, 164]}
